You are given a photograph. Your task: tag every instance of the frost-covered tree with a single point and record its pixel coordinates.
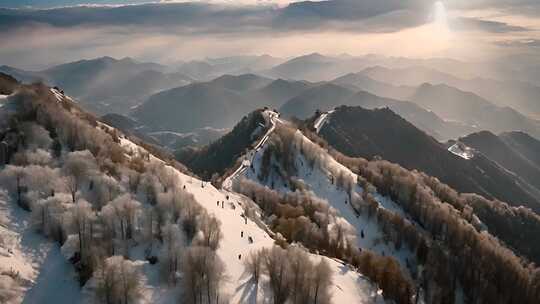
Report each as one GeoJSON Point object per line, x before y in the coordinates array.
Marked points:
{"type": "Point", "coordinates": [117, 281]}
{"type": "Point", "coordinates": [171, 251]}
{"type": "Point", "coordinates": [47, 217]}
{"type": "Point", "coordinates": [32, 157]}
{"type": "Point", "coordinates": [35, 136]}
{"type": "Point", "coordinates": [276, 265]}
{"type": "Point", "coordinates": [105, 188]}
{"type": "Point", "coordinates": [10, 289]}
{"type": "Point", "coordinates": [13, 178]}
{"type": "Point", "coordinates": [211, 231]}
{"type": "Point", "coordinates": [81, 219]}
{"type": "Point", "coordinates": [254, 265]}
{"type": "Point", "coordinates": [124, 210]}
{"type": "Point", "coordinates": [77, 166]}
{"type": "Point", "coordinates": [321, 283]}
{"type": "Point", "coordinates": [300, 268]}
{"type": "Point", "coordinates": [203, 273]}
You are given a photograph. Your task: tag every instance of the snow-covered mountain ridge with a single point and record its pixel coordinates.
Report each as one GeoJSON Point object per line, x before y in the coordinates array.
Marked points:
{"type": "Point", "coordinates": [417, 220]}
{"type": "Point", "coordinates": [123, 214]}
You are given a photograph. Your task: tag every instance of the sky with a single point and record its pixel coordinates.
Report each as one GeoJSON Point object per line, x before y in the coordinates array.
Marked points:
{"type": "Point", "coordinates": [36, 33]}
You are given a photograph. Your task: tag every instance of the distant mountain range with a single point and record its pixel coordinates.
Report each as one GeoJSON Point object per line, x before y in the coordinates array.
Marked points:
{"type": "Point", "coordinates": [452, 111]}
{"type": "Point", "coordinates": [219, 103]}
{"type": "Point", "coordinates": [515, 151]}
{"type": "Point", "coordinates": [359, 132]}
{"type": "Point", "coordinates": [523, 96]}
{"type": "Point", "coordinates": [105, 85]}
{"type": "Point", "coordinates": [236, 65]}
{"type": "Point", "coordinates": [328, 96]}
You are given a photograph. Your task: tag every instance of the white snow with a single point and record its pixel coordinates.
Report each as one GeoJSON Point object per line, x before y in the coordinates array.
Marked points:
{"type": "Point", "coordinates": [462, 150]}
{"type": "Point", "coordinates": [57, 94]}
{"type": "Point", "coordinates": [321, 120]}
{"type": "Point", "coordinates": [60, 96]}
{"type": "Point", "coordinates": [42, 268]}
{"type": "Point", "coordinates": [319, 181]}
{"type": "Point", "coordinates": [49, 276]}
{"type": "Point", "coordinates": [349, 285]}
{"type": "Point", "coordinates": [271, 118]}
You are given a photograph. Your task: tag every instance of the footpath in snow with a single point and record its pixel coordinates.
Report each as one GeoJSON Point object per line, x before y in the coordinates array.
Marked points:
{"type": "Point", "coordinates": [320, 183]}
{"type": "Point", "coordinates": [227, 206]}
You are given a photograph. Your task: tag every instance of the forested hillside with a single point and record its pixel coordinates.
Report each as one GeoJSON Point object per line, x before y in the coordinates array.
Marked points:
{"type": "Point", "coordinates": [109, 219]}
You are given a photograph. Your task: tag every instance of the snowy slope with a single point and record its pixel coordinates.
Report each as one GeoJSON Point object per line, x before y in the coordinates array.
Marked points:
{"type": "Point", "coordinates": [321, 120]}
{"type": "Point", "coordinates": [270, 118]}
{"type": "Point", "coordinates": [34, 270]}
{"type": "Point", "coordinates": [37, 262]}
{"type": "Point", "coordinates": [319, 181]}
{"type": "Point", "coordinates": [350, 286]}
{"type": "Point", "coordinates": [462, 151]}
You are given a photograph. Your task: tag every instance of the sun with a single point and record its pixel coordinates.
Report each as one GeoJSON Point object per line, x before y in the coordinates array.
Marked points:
{"type": "Point", "coordinates": [440, 15]}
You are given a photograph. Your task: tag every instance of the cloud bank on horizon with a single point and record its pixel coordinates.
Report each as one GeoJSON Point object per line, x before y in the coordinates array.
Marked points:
{"type": "Point", "coordinates": [33, 31]}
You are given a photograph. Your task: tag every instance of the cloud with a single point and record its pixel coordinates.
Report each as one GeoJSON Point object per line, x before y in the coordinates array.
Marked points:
{"type": "Point", "coordinates": [215, 28]}
{"type": "Point", "coordinates": [523, 7]}
{"type": "Point", "coordinates": [199, 17]}
{"type": "Point", "coordinates": [520, 43]}
{"type": "Point", "coordinates": [489, 26]}
{"type": "Point", "coordinates": [59, 3]}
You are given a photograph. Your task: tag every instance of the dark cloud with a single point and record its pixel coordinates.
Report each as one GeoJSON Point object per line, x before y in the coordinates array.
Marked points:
{"type": "Point", "coordinates": [520, 43]}
{"type": "Point", "coordinates": [524, 7]}
{"type": "Point", "coordinates": [467, 24]}
{"type": "Point", "coordinates": [56, 3]}
{"type": "Point", "coordinates": [350, 15]}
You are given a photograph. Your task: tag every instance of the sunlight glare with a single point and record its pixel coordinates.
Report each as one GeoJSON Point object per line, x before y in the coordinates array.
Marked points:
{"type": "Point", "coordinates": [440, 14]}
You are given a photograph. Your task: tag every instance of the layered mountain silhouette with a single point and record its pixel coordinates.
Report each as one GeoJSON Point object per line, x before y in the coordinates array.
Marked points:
{"type": "Point", "coordinates": [219, 103]}
{"type": "Point", "coordinates": [328, 96]}
{"type": "Point", "coordinates": [359, 132]}
{"type": "Point", "coordinates": [456, 105]}
{"type": "Point", "coordinates": [515, 151]}
{"type": "Point", "coordinates": [105, 85]}
{"type": "Point", "coordinates": [520, 95]}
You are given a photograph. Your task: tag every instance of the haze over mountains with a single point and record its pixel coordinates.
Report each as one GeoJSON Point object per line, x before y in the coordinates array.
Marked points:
{"type": "Point", "coordinates": [148, 91]}
{"type": "Point", "coordinates": [358, 132]}
{"type": "Point", "coordinates": [277, 151]}
{"type": "Point", "coordinates": [105, 85]}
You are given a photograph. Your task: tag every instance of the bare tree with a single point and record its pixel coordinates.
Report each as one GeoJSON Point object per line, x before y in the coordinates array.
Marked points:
{"type": "Point", "coordinates": [210, 227]}
{"type": "Point", "coordinates": [12, 177]}
{"type": "Point", "coordinates": [321, 283]}
{"type": "Point", "coordinates": [300, 269]}
{"type": "Point", "coordinates": [36, 136]}
{"type": "Point", "coordinates": [47, 217]}
{"type": "Point", "coordinates": [117, 281]}
{"type": "Point", "coordinates": [254, 265]}
{"type": "Point", "coordinates": [125, 210]}
{"type": "Point", "coordinates": [171, 251]}
{"type": "Point", "coordinates": [203, 273]}
{"type": "Point", "coordinates": [81, 216]}
{"type": "Point", "coordinates": [77, 166]}
{"type": "Point", "coordinates": [275, 261]}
